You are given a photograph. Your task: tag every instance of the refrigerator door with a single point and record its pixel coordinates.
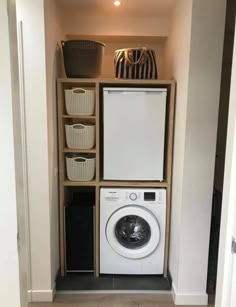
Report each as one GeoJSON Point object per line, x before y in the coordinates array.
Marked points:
{"type": "Point", "coordinates": [134, 133]}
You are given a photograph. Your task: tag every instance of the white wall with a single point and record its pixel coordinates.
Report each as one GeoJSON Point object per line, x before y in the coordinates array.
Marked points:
{"type": "Point", "coordinates": [200, 145]}
{"type": "Point", "coordinates": [9, 262]}
{"type": "Point", "coordinates": [32, 15]}
{"type": "Point", "coordinates": [53, 35]}
{"type": "Point", "coordinates": [177, 67]}
{"type": "Point", "coordinates": [75, 23]}
{"type": "Point", "coordinates": [194, 149]}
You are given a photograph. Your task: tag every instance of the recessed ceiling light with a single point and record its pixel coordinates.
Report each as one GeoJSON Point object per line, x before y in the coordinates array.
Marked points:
{"type": "Point", "coordinates": [117, 3]}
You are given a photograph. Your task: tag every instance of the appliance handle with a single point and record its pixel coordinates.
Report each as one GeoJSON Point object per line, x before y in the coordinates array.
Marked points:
{"type": "Point", "coordinates": [78, 126]}
{"type": "Point", "coordinates": [124, 92]}
{"type": "Point", "coordinates": [79, 89]}
{"type": "Point", "coordinates": [78, 159]}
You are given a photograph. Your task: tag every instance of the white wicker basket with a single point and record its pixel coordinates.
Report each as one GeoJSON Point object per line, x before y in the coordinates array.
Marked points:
{"type": "Point", "coordinates": [80, 101]}
{"type": "Point", "coordinates": [80, 136]}
{"type": "Point", "coordinates": [80, 168]}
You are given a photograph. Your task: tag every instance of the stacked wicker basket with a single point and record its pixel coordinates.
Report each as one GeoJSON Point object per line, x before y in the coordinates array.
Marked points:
{"type": "Point", "coordinates": [80, 135]}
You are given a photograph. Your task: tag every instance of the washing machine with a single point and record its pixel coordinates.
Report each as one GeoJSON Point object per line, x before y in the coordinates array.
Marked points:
{"type": "Point", "coordinates": [132, 231]}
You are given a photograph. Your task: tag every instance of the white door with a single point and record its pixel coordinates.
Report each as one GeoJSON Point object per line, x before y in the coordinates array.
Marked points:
{"type": "Point", "coordinates": [13, 279]}
{"type": "Point", "coordinates": [134, 133]}
{"type": "Point", "coordinates": [226, 279]}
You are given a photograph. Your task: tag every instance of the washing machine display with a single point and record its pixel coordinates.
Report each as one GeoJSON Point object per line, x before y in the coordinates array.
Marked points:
{"type": "Point", "coordinates": [132, 233]}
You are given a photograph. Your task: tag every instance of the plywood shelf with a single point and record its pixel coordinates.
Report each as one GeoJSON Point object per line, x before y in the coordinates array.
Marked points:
{"type": "Point", "coordinates": [77, 150]}
{"type": "Point", "coordinates": [138, 184]}
{"type": "Point", "coordinates": [79, 117]}
{"type": "Point", "coordinates": [68, 183]}
{"type": "Point", "coordinates": [150, 184]}
{"type": "Point", "coordinates": [113, 81]}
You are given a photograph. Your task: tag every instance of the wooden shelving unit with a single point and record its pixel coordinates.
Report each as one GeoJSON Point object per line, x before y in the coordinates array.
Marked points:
{"type": "Point", "coordinates": [64, 183]}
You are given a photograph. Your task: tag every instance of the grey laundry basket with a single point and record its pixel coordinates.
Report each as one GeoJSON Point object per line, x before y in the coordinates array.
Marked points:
{"type": "Point", "coordinates": [82, 58]}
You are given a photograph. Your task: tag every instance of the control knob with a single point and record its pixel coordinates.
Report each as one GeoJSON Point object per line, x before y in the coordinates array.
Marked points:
{"type": "Point", "coordinates": [133, 196]}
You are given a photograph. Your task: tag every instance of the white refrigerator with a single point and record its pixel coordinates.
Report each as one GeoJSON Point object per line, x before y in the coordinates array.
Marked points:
{"type": "Point", "coordinates": [134, 133]}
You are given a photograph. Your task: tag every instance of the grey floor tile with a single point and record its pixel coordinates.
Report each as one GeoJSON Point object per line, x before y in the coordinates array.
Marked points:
{"type": "Point", "coordinates": [74, 283]}
{"type": "Point", "coordinates": [141, 283]}
{"type": "Point", "coordinates": [111, 300]}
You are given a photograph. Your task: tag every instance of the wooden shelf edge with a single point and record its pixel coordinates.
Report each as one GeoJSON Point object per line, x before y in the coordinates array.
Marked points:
{"type": "Point", "coordinates": [137, 82]}
{"type": "Point", "coordinates": [106, 39]}
{"type": "Point", "coordinates": [81, 80]}
{"type": "Point", "coordinates": [79, 116]}
{"type": "Point", "coordinates": [77, 150]}
{"type": "Point", "coordinates": [116, 81]}
{"type": "Point", "coordinates": [117, 184]}
{"type": "Point", "coordinates": [68, 183]}
{"type": "Point", "coordinates": [151, 184]}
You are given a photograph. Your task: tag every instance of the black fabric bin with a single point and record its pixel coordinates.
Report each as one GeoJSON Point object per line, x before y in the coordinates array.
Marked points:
{"type": "Point", "coordinates": [79, 237]}
{"type": "Point", "coordinates": [82, 58]}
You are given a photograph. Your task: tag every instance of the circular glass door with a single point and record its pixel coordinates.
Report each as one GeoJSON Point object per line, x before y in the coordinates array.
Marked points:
{"type": "Point", "coordinates": [133, 232]}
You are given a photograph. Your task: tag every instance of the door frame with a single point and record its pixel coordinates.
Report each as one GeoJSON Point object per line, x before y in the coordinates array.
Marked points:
{"type": "Point", "coordinates": [21, 160]}
{"type": "Point", "coordinates": [226, 258]}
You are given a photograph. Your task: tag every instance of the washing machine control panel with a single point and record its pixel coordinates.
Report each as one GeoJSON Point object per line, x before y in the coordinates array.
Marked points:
{"type": "Point", "coordinates": [146, 196]}
{"type": "Point", "coordinates": [134, 196]}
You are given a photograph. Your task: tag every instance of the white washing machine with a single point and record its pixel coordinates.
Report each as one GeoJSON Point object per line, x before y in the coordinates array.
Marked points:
{"type": "Point", "coordinates": [132, 231]}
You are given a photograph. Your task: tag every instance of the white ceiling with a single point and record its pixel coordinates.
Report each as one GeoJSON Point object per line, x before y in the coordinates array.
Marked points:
{"type": "Point", "coordinates": [128, 8]}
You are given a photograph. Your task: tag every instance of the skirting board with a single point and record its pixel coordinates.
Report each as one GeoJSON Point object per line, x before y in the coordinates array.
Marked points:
{"type": "Point", "coordinates": [189, 298]}
{"type": "Point", "coordinates": [35, 296]}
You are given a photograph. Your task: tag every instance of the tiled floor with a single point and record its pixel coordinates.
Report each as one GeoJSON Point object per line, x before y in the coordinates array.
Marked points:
{"type": "Point", "coordinates": [110, 300]}
{"type": "Point", "coordinates": [110, 282]}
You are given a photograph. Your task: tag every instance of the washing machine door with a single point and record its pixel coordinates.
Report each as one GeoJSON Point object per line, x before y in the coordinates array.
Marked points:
{"type": "Point", "coordinates": [133, 232]}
